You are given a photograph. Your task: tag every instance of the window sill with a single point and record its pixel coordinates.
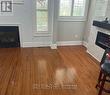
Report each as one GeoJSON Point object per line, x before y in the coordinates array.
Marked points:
{"type": "Point", "coordinates": [37, 34]}
{"type": "Point", "coordinates": [72, 19]}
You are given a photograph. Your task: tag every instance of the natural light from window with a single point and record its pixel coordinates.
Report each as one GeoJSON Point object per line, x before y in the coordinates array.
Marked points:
{"type": "Point", "coordinates": [72, 7]}
{"type": "Point", "coordinates": [42, 15]}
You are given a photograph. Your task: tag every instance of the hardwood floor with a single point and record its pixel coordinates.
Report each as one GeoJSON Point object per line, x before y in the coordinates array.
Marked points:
{"type": "Point", "coordinates": [42, 71]}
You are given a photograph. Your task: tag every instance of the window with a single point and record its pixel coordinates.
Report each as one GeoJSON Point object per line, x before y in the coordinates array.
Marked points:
{"type": "Point", "coordinates": [6, 6]}
{"type": "Point", "coordinates": [72, 8]}
{"type": "Point", "coordinates": [79, 8]}
{"type": "Point", "coordinates": [100, 9]}
{"type": "Point", "coordinates": [42, 15]}
{"type": "Point", "coordinates": [65, 7]}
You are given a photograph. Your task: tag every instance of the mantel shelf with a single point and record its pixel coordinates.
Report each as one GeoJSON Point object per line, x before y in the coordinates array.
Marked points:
{"type": "Point", "coordinates": [101, 24]}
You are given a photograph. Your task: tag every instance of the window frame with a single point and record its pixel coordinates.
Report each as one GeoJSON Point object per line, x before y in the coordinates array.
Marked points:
{"type": "Point", "coordinates": [48, 33]}
{"type": "Point", "coordinates": [43, 32]}
{"type": "Point", "coordinates": [73, 18]}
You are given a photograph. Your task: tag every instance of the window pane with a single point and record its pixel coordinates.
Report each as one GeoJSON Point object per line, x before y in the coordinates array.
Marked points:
{"type": "Point", "coordinates": [42, 4]}
{"type": "Point", "coordinates": [42, 21]}
{"type": "Point", "coordinates": [42, 15]}
{"type": "Point", "coordinates": [65, 7]}
{"type": "Point", "coordinates": [79, 7]}
{"type": "Point", "coordinates": [100, 9]}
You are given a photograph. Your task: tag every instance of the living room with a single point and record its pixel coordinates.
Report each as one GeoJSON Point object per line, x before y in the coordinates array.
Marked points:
{"type": "Point", "coordinates": [54, 47]}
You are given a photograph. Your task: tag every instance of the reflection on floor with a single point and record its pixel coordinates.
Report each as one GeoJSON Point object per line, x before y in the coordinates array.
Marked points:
{"type": "Point", "coordinates": [42, 71]}
{"type": "Point", "coordinates": [65, 76]}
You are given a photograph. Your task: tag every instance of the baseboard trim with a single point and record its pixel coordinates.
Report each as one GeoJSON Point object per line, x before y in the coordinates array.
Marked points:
{"type": "Point", "coordinates": [69, 43]}
{"type": "Point", "coordinates": [36, 44]}
{"type": "Point", "coordinates": [93, 56]}
{"type": "Point", "coordinates": [84, 44]}
{"type": "Point", "coordinates": [53, 46]}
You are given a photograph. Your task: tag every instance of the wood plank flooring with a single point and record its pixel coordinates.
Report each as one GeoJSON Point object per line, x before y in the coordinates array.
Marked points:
{"type": "Point", "coordinates": [42, 71]}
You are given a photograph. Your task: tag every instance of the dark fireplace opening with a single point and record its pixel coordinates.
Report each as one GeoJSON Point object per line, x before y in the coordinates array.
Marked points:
{"type": "Point", "coordinates": [103, 40]}
{"type": "Point", "coordinates": [9, 36]}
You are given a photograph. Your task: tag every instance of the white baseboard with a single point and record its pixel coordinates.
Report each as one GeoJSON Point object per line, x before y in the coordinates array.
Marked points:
{"type": "Point", "coordinates": [85, 44]}
{"type": "Point", "coordinates": [36, 44]}
{"type": "Point", "coordinates": [69, 43]}
{"type": "Point", "coordinates": [54, 46]}
{"type": "Point", "coordinates": [93, 56]}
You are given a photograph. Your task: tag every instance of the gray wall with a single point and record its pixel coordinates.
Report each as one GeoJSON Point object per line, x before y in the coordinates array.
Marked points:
{"type": "Point", "coordinates": [70, 31]}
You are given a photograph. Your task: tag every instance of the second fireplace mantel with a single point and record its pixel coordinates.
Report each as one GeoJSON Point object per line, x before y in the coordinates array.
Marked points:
{"type": "Point", "coordinates": [101, 24]}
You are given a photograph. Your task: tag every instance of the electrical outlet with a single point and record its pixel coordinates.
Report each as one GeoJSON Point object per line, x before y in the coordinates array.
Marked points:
{"type": "Point", "coordinates": [76, 36]}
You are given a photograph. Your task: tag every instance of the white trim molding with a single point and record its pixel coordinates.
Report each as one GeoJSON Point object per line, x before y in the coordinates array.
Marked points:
{"type": "Point", "coordinates": [53, 46]}
{"type": "Point", "coordinates": [93, 56]}
{"type": "Point", "coordinates": [69, 43]}
{"type": "Point", "coordinates": [85, 44]}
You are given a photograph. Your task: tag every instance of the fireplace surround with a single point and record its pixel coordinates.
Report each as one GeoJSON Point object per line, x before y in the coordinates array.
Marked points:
{"type": "Point", "coordinates": [9, 36]}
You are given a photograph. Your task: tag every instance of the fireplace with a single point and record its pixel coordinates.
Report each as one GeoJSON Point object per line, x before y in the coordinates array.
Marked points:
{"type": "Point", "coordinates": [9, 36]}
{"type": "Point", "coordinates": [103, 40]}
